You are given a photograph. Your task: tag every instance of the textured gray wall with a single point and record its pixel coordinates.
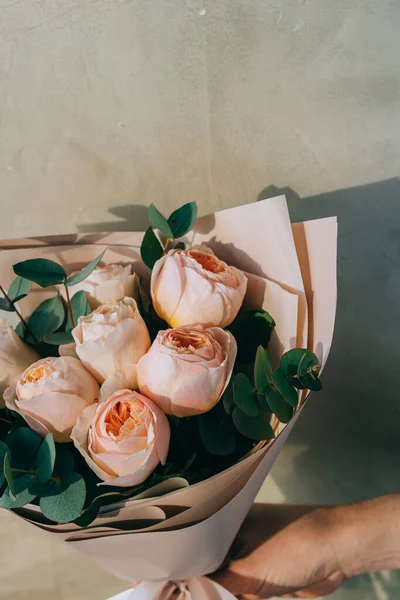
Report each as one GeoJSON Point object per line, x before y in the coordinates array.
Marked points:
{"type": "Point", "coordinates": [108, 106]}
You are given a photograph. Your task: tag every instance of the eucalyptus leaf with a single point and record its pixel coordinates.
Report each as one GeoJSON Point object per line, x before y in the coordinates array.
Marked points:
{"type": "Point", "coordinates": [244, 396]}
{"type": "Point", "coordinates": [150, 250]}
{"type": "Point", "coordinates": [217, 433]}
{"type": "Point", "coordinates": [251, 328]}
{"type": "Point", "coordinates": [24, 492]}
{"type": "Point", "coordinates": [89, 515]}
{"type": "Point", "coordinates": [4, 450]}
{"type": "Point", "coordinates": [65, 461]}
{"type": "Point", "coordinates": [182, 220]}
{"type": "Point", "coordinates": [256, 428]}
{"type": "Point", "coordinates": [279, 407]}
{"type": "Point", "coordinates": [6, 305]}
{"type": "Point", "coordinates": [58, 338]}
{"type": "Point", "coordinates": [19, 289]}
{"type": "Point", "coordinates": [8, 474]}
{"type": "Point", "coordinates": [45, 459]}
{"type": "Point", "coordinates": [80, 308]}
{"type": "Point", "coordinates": [285, 388]}
{"type": "Point", "coordinates": [47, 317]}
{"type": "Point", "coordinates": [82, 275]}
{"type": "Point", "coordinates": [63, 502]}
{"type": "Point", "coordinates": [159, 222]}
{"type": "Point", "coordinates": [24, 445]}
{"type": "Point", "coordinates": [262, 370]}
{"type": "Point", "coordinates": [263, 404]}
{"type": "Point", "coordinates": [228, 399]}
{"type": "Point", "coordinates": [302, 368]}
{"type": "Point", "coordinates": [42, 271]}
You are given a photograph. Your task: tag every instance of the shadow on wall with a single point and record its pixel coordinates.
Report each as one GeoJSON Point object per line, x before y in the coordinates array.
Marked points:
{"type": "Point", "coordinates": [133, 217]}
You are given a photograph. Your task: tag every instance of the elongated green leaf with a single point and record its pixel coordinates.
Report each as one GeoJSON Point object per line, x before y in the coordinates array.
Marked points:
{"type": "Point", "coordinates": [4, 450]}
{"type": "Point", "coordinates": [285, 388]}
{"type": "Point", "coordinates": [78, 277]}
{"type": "Point", "coordinates": [182, 220]}
{"type": "Point", "coordinates": [24, 445]}
{"type": "Point", "coordinates": [42, 271]}
{"type": "Point", "coordinates": [25, 491]}
{"type": "Point", "coordinates": [151, 250]}
{"type": "Point", "coordinates": [8, 474]}
{"type": "Point", "coordinates": [159, 222]}
{"type": "Point", "coordinates": [262, 370]}
{"type": "Point", "coordinates": [80, 308]}
{"type": "Point", "coordinates": [89, 515]}
{"type": "Point", "coordinates": [64, 502]}
{"type": "Point", "coordinates": [6, 305]}
{"type": "Point", "coordinates": [217, 433]}
{"type": "Point", "coordinates": [58, 338]}
{"type": "Point", "coordinates": [48, 317]}
{"type": "Point", "coordinates": [279, 407]}
{"type": "Point", "coordinates": [45, 459]}
{"type": "Point", "coordinates": [243, 395]}
{"type": "Point", "coordinates": [19, 288]}
{"type": "Point", "coordinates": [256, 428]}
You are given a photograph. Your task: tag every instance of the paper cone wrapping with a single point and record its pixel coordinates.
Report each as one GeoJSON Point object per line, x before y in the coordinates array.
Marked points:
{"type": "Point", "coordinates": [187, 531]}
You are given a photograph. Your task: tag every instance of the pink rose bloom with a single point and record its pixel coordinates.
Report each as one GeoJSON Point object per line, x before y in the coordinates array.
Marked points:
{"type": "Point", "coordinates": [187, 369]}
{"type": "Point", "coordinates": [110, 283]}
{"type": "Point", "coordinates": [123, 438]}
{"type": "Point", "coordinates": [112, 339]}
{"type": "Point", "coordinates": [194, 286]}
{"type": "Point", "coordinates": [51, 394]}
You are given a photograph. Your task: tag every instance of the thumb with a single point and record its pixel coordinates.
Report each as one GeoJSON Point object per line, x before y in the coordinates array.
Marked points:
{"type": "Point", "coordinates": [238, 579]}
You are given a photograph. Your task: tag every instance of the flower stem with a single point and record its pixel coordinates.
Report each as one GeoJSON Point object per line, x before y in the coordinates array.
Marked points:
{"type": "Point", "coordinates": [71, 316]}
{"type": "Point", "coordinates": [5, 421]}
{"type": "Point", "coordinates": [27, 472]}
{"type": "Point", "coordinates": [24, 323]}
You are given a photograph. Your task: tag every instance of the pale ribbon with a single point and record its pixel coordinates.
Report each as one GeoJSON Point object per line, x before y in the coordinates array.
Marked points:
{"type": "Point", "coordinates": [197, 588]}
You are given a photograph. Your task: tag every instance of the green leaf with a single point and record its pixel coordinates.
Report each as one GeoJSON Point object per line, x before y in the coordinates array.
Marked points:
{"type": "Point", "coordinates": [159, 222]}
{"type": "Point", "coordinates": [256, 428]}
{"type": "Point", "coordinates": [262, 370]}
{"type": "Point", "coordinates": [4, 450]}
{"type": "Point", "coordinates": [45, 459]}
{"type": "Point", "coordinates": [80, 308]}
{"type": "Point", "coordinates": [263, 404]}
{"type": "Point", "coordinates": [63, 502]}
{"type": "Point", "coordinates": [302, 368]}
{"type": "Point", "coordinates": [243, 394]}
{"type": "Point", "coordinates": [78, 277]}
{"type": "Point", "coordinates": [8, 474]}
{"type": "Point", "coordinates": [6, 305]}
{"type": "Point", "coordinates": [228, 399]}
{"type": "Point", "coordinates": [150, 250]}
{"type": "Point", "coordinates": [24, 445]}
{"type": "Point", "coordinates": [24, 492]}
{"type": "Point", "coordinates": [65, 461]}
{"type": "Point", "coordinates": [279, 407]}
{"type": "Point", "coordinates": [251, 328]}
{"type": "Point", "coordinates": [285, 388]}
{"type": "Point", "coordinates": [182, 220]}
{"type": "Point", "coordinates": [19, 289]}
{"type": "Point", "coordinates": [217, 433]}
{"type": "Point", "coordinates": [58, 338]}
{"type": "Point", "coordinates": [89, 515]}
{"type": "Point", "coordinates": [42, 271]}
{"type": "Point", "coordinates": [179, 246]}
{"type": "Point", "coordinates": [47, 317]}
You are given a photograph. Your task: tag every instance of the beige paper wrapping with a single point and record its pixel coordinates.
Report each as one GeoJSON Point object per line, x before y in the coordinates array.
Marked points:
{"type": "Point", "coordinates": [293, 276]}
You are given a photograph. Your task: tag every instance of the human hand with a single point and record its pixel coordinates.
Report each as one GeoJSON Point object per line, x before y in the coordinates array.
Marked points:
{"type": "Point", "coordinates": [284, 550]}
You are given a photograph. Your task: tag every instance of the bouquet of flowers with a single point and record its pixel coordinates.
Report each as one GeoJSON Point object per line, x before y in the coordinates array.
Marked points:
{"type": "Point", "coordinates": [151, 379]}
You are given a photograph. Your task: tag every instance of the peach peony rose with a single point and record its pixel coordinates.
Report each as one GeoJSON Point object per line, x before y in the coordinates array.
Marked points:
{"type": "Point", "coordinates": [51, 394]}
{"type": "Point", "coordinates": [15, 356]}
{"type": "Point", "coordinates": [194, 286]}
{"type": "Point", "coordinates": [111, 283]}
{"type": "Point", "coordinates": [187, 369]}
{"type": "Point", "coordinates": [123, 439]}
{"type": "Point", "coordinates": [111, 339]}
